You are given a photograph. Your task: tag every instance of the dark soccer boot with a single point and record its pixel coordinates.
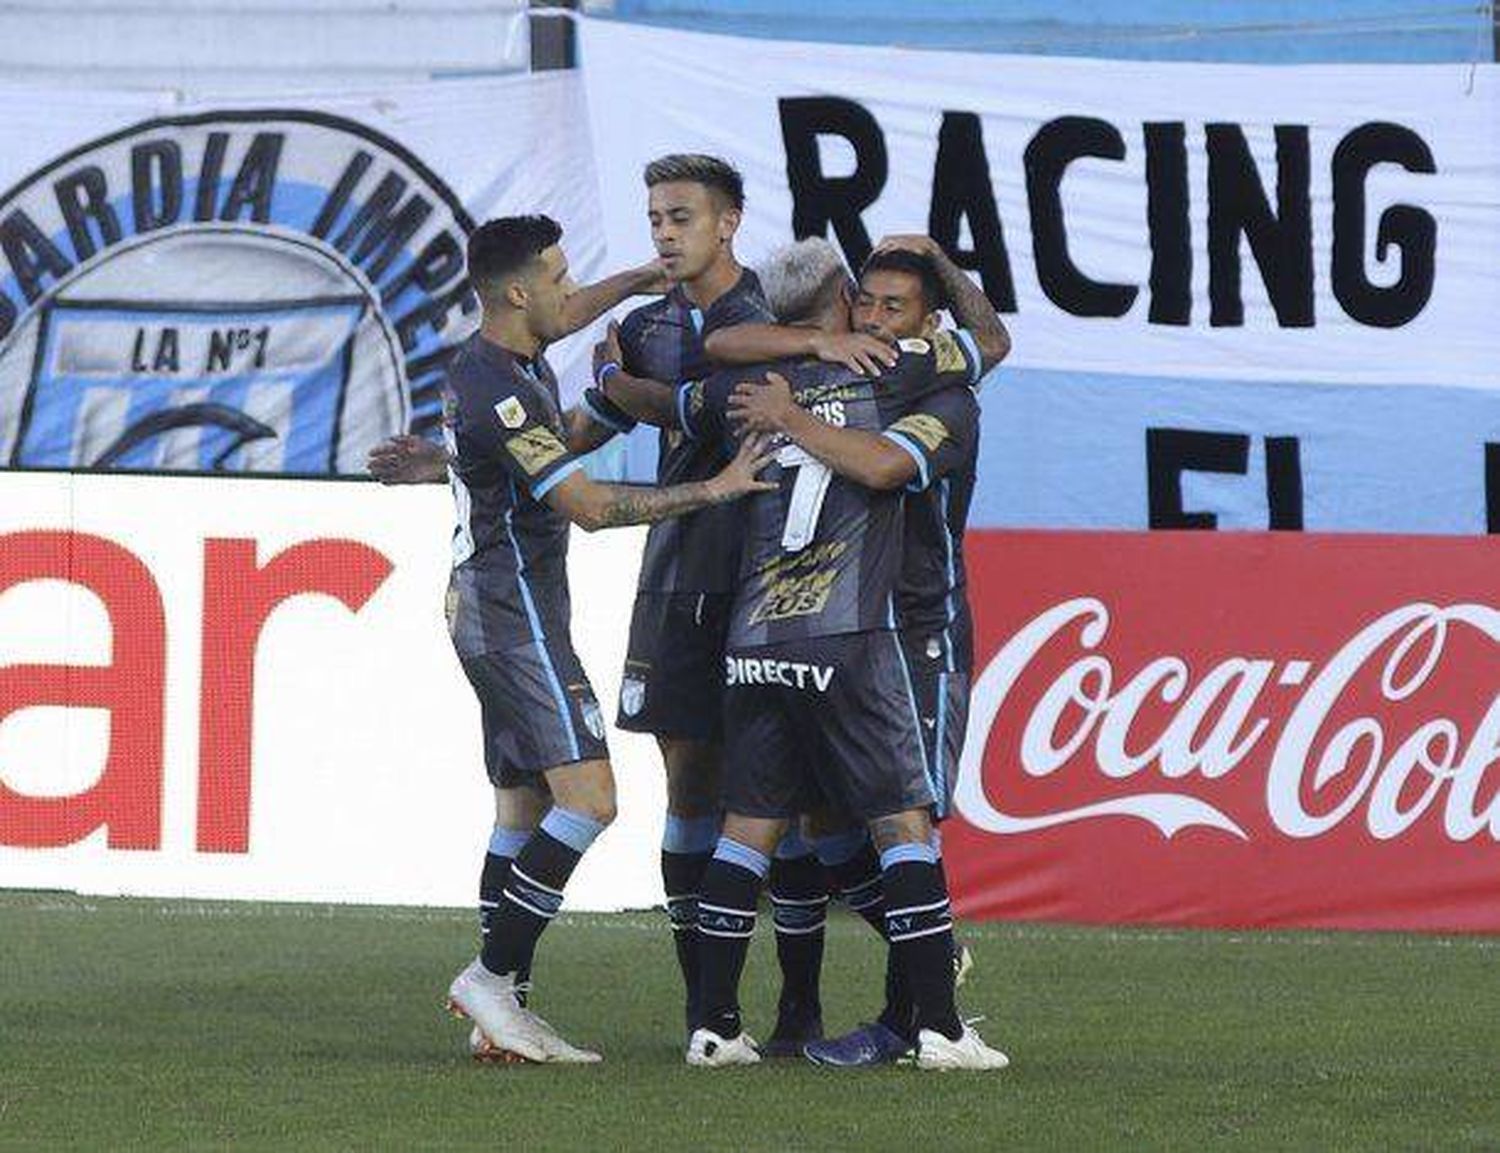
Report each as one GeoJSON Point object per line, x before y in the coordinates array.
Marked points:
{"type": "Point", "coordinates": [868, 1045]}
{"type": "Point", "coordinates": [796, 1027]}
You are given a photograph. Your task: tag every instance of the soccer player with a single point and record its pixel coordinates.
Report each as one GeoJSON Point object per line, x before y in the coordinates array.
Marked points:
{"type": "Point", "coordinates": [517, 486]}
{"type": "Point", "coordinates": [819, 696]}
{"type": "Point", "coordinates": [673, 680]}
{"type": "Point", "coordinates": [902, 286]}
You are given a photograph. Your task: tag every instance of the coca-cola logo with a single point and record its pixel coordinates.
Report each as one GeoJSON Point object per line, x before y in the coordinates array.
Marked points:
{"type": "Point", "coordinates": [1151, 741]}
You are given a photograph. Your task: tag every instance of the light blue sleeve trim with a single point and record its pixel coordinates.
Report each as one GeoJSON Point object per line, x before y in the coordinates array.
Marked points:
{"type": "Point", "coordinates": [682, 416]}
{"type": "Point", "coordinates": [542, 488]}
{"type": "Point", "coordinates": [599, 418]}
{"type": "Point", "coordinates": [922, 480]}
{"type": "Point", "coordinates": [971, 348]}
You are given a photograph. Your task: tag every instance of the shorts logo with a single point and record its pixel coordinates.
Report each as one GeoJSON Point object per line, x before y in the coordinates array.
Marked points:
{"type": "Point", "coordinates": [233, 291]}
{"type": "Point", "coordinates": [934, 649]}
{"type": "Point", "coordinates": [593, 718]}
{"type": "Point", "coordinates": [511, 411]}
{"type": "Point", "coordinates": [769, 671]}
{"type": "Point", "coordinates": [632, 696]}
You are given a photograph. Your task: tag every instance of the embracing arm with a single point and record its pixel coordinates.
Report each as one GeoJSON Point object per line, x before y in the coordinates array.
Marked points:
{"type": "Point", "coordinates": [865, 457]}
{"type": "Point", "coordinates": [758, 343]}
{"type": "Point", "coordinates": [592, 505]}
{"type": "Point", "coordinates": [967, 302]}
{"type": "Point", "coordinates": [592, 301]}
{"type": "Point", "coordinates": [648, 401]}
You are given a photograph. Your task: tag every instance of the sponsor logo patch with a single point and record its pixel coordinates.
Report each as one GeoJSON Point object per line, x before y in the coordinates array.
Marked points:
{"type": "Point", "coordinates": [769, 671]}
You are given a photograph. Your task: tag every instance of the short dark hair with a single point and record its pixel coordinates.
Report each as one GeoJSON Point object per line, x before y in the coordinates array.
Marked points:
{"type": "Point", "coordinates": [695, 168]}
{"type": "Point", "coordinates": [500, 247]}
{"type": "Point", "coordinates": [914, 264]}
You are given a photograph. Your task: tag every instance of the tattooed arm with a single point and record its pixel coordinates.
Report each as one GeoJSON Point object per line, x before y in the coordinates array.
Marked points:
{"type": "Point", "coordinates": [592, 505]}
{"type": "Point", "coordinates": [971, 309]}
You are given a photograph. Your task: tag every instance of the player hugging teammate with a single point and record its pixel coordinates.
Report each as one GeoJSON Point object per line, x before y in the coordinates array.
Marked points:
{"type": "Point", "coordinates": [802, 655]}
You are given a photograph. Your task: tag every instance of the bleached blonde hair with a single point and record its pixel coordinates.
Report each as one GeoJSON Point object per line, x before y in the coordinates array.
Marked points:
{"type": "Point", "coordinates": [801, 279]}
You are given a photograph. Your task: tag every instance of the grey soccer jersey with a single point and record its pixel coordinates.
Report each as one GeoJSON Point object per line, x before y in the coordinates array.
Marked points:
{"type": "Point", "coordinates": [504, 431]}
{"type": "Point", "coordinates": [931, 597]}
{"type": "Point", "coordinates": [663, 340]}
{"type": "Point", "coordinates": [823, 554]}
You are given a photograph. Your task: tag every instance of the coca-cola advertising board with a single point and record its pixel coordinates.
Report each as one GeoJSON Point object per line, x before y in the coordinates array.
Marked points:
{"type": "Point", "coordinates": [1233, 729]}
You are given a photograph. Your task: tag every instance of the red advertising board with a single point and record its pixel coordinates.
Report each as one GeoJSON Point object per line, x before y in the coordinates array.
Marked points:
{"type": "Point", "coordinates": [1233, 729]}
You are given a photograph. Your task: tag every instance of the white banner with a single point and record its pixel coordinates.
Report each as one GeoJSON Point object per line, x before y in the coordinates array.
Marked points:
{"type": "Point", "coordinates": [269, 286]}
{"type": "Point", "coordinates": [265, 701]}
{"type": "Point", "coordinates": [1206, 268]}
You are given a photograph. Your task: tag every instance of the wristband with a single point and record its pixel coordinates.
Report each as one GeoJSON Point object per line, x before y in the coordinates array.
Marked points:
{"type": "Point", "coordinates": [602, 373]}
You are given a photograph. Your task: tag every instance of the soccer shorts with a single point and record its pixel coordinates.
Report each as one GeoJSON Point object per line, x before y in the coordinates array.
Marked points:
{"type": "Point", "coordinates": [537, 709]}
{"type": "Point", "coordinates": [943, 703]}
{"type": "Point", "coordinates": [674, 667]}
{"type": "Point", "coordinates": [827, 721]}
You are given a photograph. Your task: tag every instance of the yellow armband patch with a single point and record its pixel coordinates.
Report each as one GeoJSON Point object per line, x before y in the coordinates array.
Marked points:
{"type": "Point", "coordinates": [535, 449]}
{"type": "Point", "coordinates": [925, 429]}
{"type": "Point", "coordinates": [949, 353]}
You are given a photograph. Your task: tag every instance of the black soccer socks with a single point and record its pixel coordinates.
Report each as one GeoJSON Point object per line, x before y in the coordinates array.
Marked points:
{"type": "Point", "coordinates": [799, 908]}
{"type": "Point", "coordinates": [919, 927]}
{"type": "Point", "coordinates": [686, 848]}
{"type": "Point", "coordinates": [855, 867]}
{"type": "Point", "coordinates": [504, 845]}
{"type": "Point", "coordinates": [726, 922]}
{"type": "Point", "coordinates": [533, 893]}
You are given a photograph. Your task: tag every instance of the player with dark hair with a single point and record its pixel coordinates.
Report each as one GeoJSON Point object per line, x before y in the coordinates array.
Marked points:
{"type": "Point", "coordinates": [673, 679]}
{"type": "Point", "coordinates": [517, 486]}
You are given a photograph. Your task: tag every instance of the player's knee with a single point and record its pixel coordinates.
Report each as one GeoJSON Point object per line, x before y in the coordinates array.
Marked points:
{"type": "Point", "coordinates": [586, 788]}
{"type": "Point", "coordinates": [911, 827]}
{"type": "Point", "coordinates": [758, 833]}
{"type": "Point", "coordinates": [597, 806]}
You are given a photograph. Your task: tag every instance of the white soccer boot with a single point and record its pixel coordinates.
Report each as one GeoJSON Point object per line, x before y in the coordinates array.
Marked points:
{"type": "Point", "coordinates": [707, 1050]}
{"type": "Point", "coordinates": [561, 1051]}
{"type": "Point", "coordinates": [934, 1051]}
{"type": "Point", "coordinates": [489, 1000]}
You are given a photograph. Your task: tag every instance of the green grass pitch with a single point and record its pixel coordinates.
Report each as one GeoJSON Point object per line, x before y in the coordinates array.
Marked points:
{"type": "Point", "coordinates": [168, 1024]}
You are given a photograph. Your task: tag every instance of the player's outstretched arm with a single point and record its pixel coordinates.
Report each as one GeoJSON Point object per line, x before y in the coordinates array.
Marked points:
{"type": "Point", "coordinates": [758, 343]}
{"type": "Point", "coordinates": [592, 505]}
{"type": "Point", "coordinates": [865, 457]}
{"type": "Point", "coordinates": [967, 302]}
{"type": "Point", "coordinates": [592, 301]}
{"type": "Point", "coordinates": [408, 460]}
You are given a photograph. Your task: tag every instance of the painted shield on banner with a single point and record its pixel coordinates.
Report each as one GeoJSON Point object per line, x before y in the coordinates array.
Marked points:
{"type": "Point", "coordinates": [244, 292]}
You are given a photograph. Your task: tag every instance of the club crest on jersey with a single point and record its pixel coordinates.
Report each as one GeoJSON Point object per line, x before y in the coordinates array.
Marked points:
{"type": "Point", "coordinates": [632, 696]}
{"type": "Point", "coordinates": [511, 411]}
{"type": "Point", "coordinates": [272, 291]}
